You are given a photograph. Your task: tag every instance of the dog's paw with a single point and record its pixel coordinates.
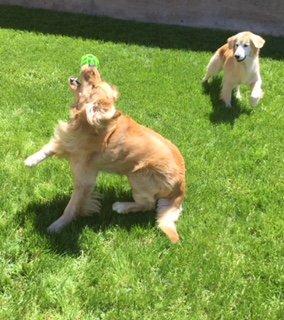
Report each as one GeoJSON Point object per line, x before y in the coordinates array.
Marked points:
{"type": "Point", "coordinates": [256, 96]}
{"type": "Point", "coordinates": [255, 100]}
{"type": "Point", "coordinates": [227, 103]}
{"type": "Point", "coordinates": [206, 80]}
{"type": "Point", "coordinates": [239, 96]}
{"type": "Point", "coordinates": [120, 207]}
{"type": "Point", "coordinates": [31, 161]}
{"type": "Point", "coordinates": [55, 227]}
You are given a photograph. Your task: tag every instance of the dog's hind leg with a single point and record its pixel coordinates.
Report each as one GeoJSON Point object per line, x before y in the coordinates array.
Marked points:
{"type": "Point", "coordinates": [45, 152]}
{"type": "Point", "coordinates": [142, 202]}
{"type": "Point", "coordinates": [214, 67]}
{"type": "Point", "coordinates": [143, 195]}
{"type": "Point", "coordinates": [85, 178]}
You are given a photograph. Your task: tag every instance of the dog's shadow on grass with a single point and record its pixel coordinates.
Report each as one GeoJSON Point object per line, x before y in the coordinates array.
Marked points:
{"type": "Point", "coordinates": [220, 113]}
{"type": "Point", "coordinates": [67, 241]}
{"type": "Point", "coordinates": [120, 31]}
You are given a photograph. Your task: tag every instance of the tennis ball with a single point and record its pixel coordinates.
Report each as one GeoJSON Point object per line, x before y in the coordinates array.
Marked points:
{"type": "Point", "coordinates": [90, 60]}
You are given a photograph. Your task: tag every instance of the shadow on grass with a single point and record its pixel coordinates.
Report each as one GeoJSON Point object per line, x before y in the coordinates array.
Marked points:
{"type": "Point", "coordinates": [119, 31]}
{"type": "Point", "coordinates": [220, 113]}
{"type": "Point", "coordinates": [66, 242]}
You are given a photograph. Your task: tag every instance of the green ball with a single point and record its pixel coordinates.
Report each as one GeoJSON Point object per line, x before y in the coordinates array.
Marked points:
{"type": "Point", "coordinates": [90, 60]}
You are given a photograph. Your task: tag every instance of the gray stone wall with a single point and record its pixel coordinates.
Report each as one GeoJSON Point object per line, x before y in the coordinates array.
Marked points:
{"type": "Point", "coordinates": [266, 17]}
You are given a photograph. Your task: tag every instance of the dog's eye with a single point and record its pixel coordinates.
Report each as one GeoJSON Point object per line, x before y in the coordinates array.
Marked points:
{"type": "Point", "coordinates": [245, 45]}
{"type": "Point", "coordinates": [236, 45]}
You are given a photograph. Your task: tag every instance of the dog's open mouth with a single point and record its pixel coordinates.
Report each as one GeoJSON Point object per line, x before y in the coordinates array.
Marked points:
{"type": "Point", "coordinates": [74, 81]}
{"type": "Point", "coordinates": [240, 60]}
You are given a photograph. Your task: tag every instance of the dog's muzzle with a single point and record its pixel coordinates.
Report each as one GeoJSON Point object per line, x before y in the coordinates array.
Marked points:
{"type": "Point", "coordinates": [74, 81]}
{"type": "Point", "coordinates": [238, 58]}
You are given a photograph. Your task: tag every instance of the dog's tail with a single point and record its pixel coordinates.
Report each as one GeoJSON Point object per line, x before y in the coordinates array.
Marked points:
{"type": "Point", "coordinates": [214, 66]}
{"type": "Point", "coordinates": [169, 211]}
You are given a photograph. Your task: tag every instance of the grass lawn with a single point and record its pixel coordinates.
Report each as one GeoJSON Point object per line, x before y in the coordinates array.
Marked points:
{"type": "Point", "coordinates": [230, 262]}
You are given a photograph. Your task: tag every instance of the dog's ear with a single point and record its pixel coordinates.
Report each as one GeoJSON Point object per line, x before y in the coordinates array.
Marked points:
{"type": "Point", "coordinates": [257, 41]}
{"type": "Point", "coordinates": [90, 113]}
{"type": "Point", "coordinates": [231, 42]}
{"type": "Point", "coordinates": [100, 112]}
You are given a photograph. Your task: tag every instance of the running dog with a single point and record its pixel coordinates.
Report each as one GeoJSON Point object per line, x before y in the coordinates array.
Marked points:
{"type": "Point", "coordinates": [239, 58]}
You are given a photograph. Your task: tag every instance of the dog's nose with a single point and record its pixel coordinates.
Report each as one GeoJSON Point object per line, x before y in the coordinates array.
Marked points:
{"type": "Point", "coordinates": [237, 56]}
{"type": "Point", "coordinates": [74, 80]}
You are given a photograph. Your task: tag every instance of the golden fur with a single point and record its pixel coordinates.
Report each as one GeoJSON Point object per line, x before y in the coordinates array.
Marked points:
{"type": "Point", "coordinates": [100, 138]}
{"type": "Point", "coordinates": [239, 58]}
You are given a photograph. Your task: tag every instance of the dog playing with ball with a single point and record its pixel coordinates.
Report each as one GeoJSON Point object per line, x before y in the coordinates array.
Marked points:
{"type": "Point", "coordinates": [97, 138]}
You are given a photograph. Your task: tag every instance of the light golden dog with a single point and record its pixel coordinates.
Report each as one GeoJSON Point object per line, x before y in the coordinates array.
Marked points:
{"type": "Point", "coordinates": [239, 58]}
{"type": "Point", "coordinates": [100, 138]}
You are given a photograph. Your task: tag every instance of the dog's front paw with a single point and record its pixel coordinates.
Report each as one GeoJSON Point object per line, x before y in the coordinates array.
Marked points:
{"type": "Point", "coordinates": [36, 158]}
{"type": "Point", "coordinates": [207, 80]}
{"type": "Point", "coordinates": [256, 96]}
{"type": "Point", "coordinates": [119, 207]}
{"type": "Point", "coordinates": [55, 227]}
{"type": "Point", "coordinates": [255, 100]}
{"type": "Point", "coordinates": [239, 96]}
{"type": "Point", "coordinates": [226, 102]}
{"type": "Point", "coordinates": [31, 161]}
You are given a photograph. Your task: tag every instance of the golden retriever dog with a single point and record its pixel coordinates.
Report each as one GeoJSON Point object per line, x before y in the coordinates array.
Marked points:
{"type": "Point", "coordinates": [239, 58]}
{"type": "Point", "coordinates": [98, 137]}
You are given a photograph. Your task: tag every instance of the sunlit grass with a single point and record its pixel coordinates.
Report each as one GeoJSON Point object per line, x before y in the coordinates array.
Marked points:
{"type": "Point", "coordinates": [228, 265]}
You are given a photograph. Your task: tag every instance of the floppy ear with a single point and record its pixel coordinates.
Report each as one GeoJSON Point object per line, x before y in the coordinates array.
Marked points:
{"type": "Point", "coordinates": [257, 41]}
{"type": "Point", "coordinates": [100, 111]}
{"type": "Point", "coordinates": [90, 113]}
{"type": "Point", "coordinates": [231, 42]}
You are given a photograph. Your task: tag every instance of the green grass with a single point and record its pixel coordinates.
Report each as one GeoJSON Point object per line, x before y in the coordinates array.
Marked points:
{"type": "Point", "coordinates": [230, 262]}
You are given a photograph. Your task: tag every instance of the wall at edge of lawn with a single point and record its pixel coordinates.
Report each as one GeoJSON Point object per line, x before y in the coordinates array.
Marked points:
{"type": "Point", "coordinates": [260, 16]}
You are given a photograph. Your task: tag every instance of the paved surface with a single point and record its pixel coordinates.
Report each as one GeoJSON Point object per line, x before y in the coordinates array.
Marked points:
{"type": "Point", "coordinates": [260, 16]}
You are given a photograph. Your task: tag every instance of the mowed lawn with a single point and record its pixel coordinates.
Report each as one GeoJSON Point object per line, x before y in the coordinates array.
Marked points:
{"type": "Point", "coordinates": [229, 264]}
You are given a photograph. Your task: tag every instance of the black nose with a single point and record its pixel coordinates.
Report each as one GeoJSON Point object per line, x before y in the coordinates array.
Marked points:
{"type": "Point", "coordinates": [237, 56]}
{"type": "Point", "coordinates": [74, 80]}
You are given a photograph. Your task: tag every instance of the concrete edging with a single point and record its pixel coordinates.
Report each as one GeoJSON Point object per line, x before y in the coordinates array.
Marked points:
{"type": "Point", "coordinates": [265, 17]}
